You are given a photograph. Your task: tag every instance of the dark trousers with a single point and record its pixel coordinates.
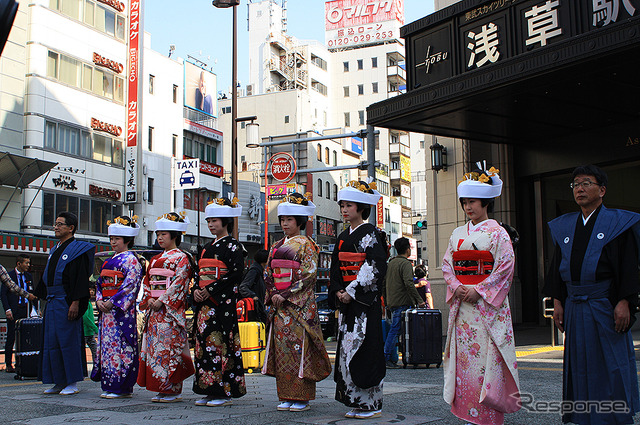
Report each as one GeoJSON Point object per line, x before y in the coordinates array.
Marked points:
{"type": "Point", "coordinates": [19, 313]}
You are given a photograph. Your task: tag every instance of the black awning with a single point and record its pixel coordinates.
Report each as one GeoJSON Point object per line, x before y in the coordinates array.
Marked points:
{"type": "Point", "coordinates": [586, 83]}
{"type": "Point", "coordinates": [19, 171]}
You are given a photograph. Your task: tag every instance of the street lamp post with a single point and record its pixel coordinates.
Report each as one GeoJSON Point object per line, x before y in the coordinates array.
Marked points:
{"type": "Point", "coordinates": [234, 99]}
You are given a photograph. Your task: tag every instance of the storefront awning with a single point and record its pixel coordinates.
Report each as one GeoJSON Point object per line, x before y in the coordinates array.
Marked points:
{"type": "Point", "coordinates": [19, 171]}
{"type": "Point", "coordinates": [585, 83]}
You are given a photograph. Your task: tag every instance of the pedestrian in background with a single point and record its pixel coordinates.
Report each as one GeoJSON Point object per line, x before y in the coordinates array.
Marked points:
{"type": "Point", "coordinates": [116, 365]}
{"type": "Point", "coordinates": [423, 286]}
{"type": "Point", "coordinates": [16, 306]}
{"type": "Point", "coordinates": [165, 359]}
{"type": "Point", "coordinates": [480, 367]}
{"type": "Point", "coordinates": [358, 269]}
{"type": "Point", "coordinates": [89, 327]}
{"type": "Point", "coordinates": [253, 285]}
{"type": "Point", "coordinates": [296, 354]}
{"type": "Point", "coordinates": [401, 294]}
{"type": "Point", "coordinates": [218, 354]}
{"type": "Point", "coordinates": [593, 279]}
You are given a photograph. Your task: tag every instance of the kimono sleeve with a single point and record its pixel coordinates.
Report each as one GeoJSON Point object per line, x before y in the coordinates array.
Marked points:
{"type": "Point", "coordinates": [554, 286]}
{"type": "Point", "coordinates": [495, 288]}
{"type": "Point", "coordinates": [447, 271]}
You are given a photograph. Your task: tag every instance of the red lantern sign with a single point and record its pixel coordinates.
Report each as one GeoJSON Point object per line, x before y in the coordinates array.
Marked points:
{"type": "Point", "coordinates": [283, 167]}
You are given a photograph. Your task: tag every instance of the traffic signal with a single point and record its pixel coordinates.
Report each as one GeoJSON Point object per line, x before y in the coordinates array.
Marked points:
{"type": "Point", "coordinates": [421, 224]}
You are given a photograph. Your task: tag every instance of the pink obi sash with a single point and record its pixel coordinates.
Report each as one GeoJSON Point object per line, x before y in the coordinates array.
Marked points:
{"type": "Point", "coordinates": [159, 280]}
{"type": "Point", "coordinates": [111, 282]}
{"type": "Point", "coordinates": [283, 272]}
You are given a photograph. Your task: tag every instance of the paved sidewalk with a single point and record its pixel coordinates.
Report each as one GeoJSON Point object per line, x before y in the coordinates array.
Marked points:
{"type": "Point", "coordinates": [411, 396]}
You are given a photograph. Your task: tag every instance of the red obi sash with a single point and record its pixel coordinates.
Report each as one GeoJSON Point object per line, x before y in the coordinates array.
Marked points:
{"type": "Point", "coordinates": [111, 282]}
{"type": "Point", "coordinates": [159, 280]}
{"type": "Point", "coordinates": [350, 263]}
{"type": "Point", "coordinates": [283, 272]}
{"type": "Point", "coordinates": [472, 266]}
{"type": "Point", "coordinates": [211, 269]}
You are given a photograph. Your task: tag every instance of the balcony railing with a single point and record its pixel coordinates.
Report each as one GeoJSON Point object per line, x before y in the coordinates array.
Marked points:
{"type": "Point", "coordinates": [201, 118]}
{"type": "Point", "coordinates": [397, 148]}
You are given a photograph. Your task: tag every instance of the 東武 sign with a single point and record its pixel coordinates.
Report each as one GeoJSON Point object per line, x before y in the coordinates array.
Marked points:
{"type": "Point", "coordinates": [187, 174]}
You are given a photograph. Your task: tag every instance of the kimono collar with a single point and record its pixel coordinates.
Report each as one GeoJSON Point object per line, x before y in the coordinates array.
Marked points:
{"type": "Point", "coordinates": [353, 230]}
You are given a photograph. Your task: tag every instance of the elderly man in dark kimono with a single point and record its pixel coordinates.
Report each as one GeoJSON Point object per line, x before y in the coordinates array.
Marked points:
{"type": "Point", "coordinates": [65, 286]}
{"type": "Point", "coordinates": [593, 279]}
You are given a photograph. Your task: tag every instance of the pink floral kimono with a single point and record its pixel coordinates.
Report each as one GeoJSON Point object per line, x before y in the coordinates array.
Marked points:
{"type": "Point", "coordinates": [481, 378]}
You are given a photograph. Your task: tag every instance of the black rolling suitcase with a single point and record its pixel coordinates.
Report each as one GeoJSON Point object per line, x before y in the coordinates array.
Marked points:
{"type": "Point", "coordinates": [421, 337]}
{"type": "Point", "coordinates": [29, 339]}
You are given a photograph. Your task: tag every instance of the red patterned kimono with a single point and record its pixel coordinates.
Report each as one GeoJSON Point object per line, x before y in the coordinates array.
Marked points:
{"type": "Point", "coordinates": [296, 355]}
{"type": "Point", "coordinates": [165, 360]}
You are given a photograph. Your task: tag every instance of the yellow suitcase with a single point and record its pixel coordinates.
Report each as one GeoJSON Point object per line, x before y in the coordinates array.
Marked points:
{"type": "Point", "coordinates": [253, 343]}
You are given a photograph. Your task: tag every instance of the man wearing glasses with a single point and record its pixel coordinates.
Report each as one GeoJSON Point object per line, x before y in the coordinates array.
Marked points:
{"type": "Point", "coordinates": [65, 286]}
{"type": "Point", "coordinates": [593, 278]}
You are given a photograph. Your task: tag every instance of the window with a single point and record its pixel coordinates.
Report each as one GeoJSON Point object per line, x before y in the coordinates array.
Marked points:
{"type": "Point", "coordinates": [421, 143]}
{"type": "Point", "coordinates": [346, 91]}
{"type": "Point", "coordinates": [286, 119]}
{"type": "Point", "coordinates": [360, 64]}
{"type": "Point", "coordinates": [346, 66]}
{"type": "Point", "coordinates": [360, 117]}
{"type": "Point", "coordinates": [75, 141]}
{"type": "Point", "coordinates": [69, 71]}
{"type": "Point", "coordinates": [175, 94]}
{"type": "Point", "coordinates": [326, 156]}
{"type": "Point", "coordinates": [335, 158]}
{"type": "Point", "coordinates": [150, 139]}
{"type": "Point", "coordinates": [374, 62]}
{"type": "Point", "coordinates": [335, 192]}
{"type": "Point", "coordinates": [150, 191]}
{"type": "Point", "coordinates": [319, 87]}
{"type": "Point", "coordinates": [52, 65]}
{"type": "Point", "coordinates": [101, 148]}
{"type": "Point", "coordinates": [320, 187]}
{"type": "Point", "coordinates": [85, 76]}
{"type": "Point", "coordinates": [102, 18]}
{"type": "Point", "coordinates": [151, 78]}
{"type": "Point", "coordinates": [319, 152]}
{"type": "Point", "coordinates": [360, 89]}
{"type": "Point", "coordinates": [174, 145]}
{"type": "Point", "coordinates": [319, 62]}
{"type": "Point", "coordinates": [394, 139]}
{"type": "Point", "coordinates": [328, 194]}
{"type": "Point", "coordinates": [395, 165]}
{"type": "Point", "coordinates": [92, 213]}
{"type": "Point", "coordinates": [195, 146]}
{"type": "Point", "coordinates": [226, 110]}
{"type": "Point", "coordinates": [374, 87]}
{"type": "Point", "coordinates": [347, 119]}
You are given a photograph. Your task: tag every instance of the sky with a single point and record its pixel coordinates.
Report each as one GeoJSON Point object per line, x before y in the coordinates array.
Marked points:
{"type": "Point", "coordinates": [204, 31]}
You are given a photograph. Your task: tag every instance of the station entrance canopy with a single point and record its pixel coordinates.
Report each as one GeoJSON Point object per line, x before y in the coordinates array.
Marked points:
{"type": "Point", "coordinates": [519, 71]}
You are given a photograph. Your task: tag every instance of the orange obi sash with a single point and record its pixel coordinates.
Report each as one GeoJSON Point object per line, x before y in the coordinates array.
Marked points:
{"type": "Point", "coordinates": [211, 269]}
{"type": "Point", "coordinates": [111, 282]}
{"type": "Point", "coordinates": [350, 263]}
{"type": "Point", "coordinates": [159, 280]}
{"type": "Point", "coordinates": [472, 266]}
{"type": "Point", "coordinates": [283, 272]}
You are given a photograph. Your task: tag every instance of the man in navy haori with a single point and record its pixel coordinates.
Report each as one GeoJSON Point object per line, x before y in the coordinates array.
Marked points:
{"type": "Point", "coordinates": [593, 279]}
{"type": "Point", "coordinates": [65, 286]}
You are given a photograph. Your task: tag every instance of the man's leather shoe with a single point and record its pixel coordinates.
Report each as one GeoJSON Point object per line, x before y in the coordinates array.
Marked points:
{"type": "Point", "coordinates": [10, 369]}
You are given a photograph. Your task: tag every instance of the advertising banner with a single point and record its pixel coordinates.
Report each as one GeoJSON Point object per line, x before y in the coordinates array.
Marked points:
{"type": "Point", "coordinates": [354, 22]}
{"type": "Point", "coordinates": [405, 168]}
{"type": "Point", "coordinates": [200, 88]}
{"type": "Point", "coordinates": [131, 152]}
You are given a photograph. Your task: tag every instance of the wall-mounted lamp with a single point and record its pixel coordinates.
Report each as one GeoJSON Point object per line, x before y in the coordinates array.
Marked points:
{"type": "Point", "coordinates": [438, 157]}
